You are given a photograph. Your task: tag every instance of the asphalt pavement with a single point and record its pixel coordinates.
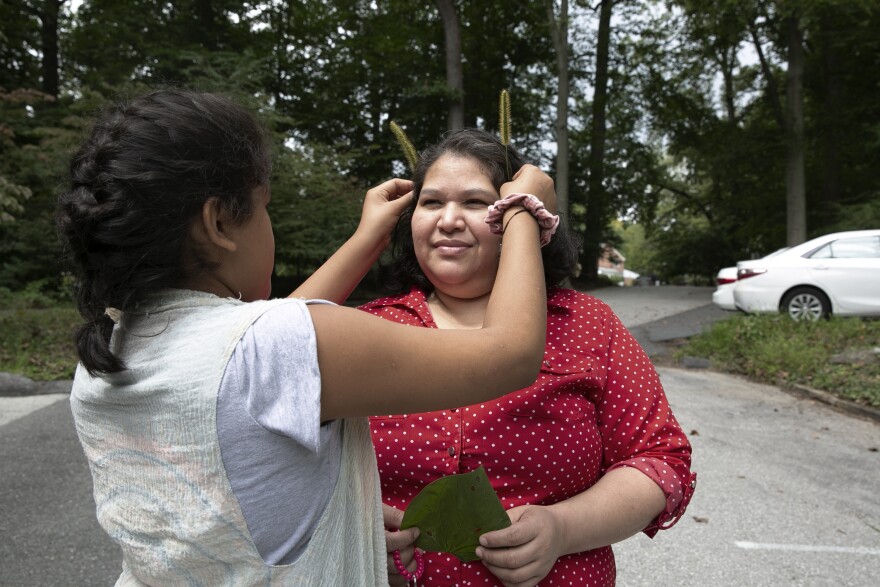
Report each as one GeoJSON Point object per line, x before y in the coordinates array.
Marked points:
{"type": "Point", "coordinates": [787, 491]}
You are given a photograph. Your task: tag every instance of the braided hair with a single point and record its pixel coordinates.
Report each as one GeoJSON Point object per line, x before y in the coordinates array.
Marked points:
{"type": "Point", "coordinates": [560, 256]}
{"type": "Point", "coordinates": [137, 183]}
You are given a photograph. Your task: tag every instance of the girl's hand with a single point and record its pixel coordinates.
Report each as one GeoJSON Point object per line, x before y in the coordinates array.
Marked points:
{"type": "Point", "coordinates": [523, 554]}
{"type": "Point", "coordinates": [401, 540]}
{"type": "Point", "coordinates": [383, 205]}
{"type": "Point", "coordinates": [531, 180]}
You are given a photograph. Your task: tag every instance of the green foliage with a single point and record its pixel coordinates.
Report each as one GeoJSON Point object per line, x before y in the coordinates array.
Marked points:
{"type": "Point", "coordinates": [33, 154]}
{"type": "Point", "coordinates": [11, 198]}
{"type": "Point", "coordinates": [453, 511]}
{"type": "Point", "coordinates": [36, 332]}
{"type": "Point", "coordinates": [777, 349]}
{"type": "Point", "coordinates": [315, 207]}
{"type": "Point", "coordinates": [693, 152]}
{"type": "Point", "coordinates": [641, 257]}
{"type": "Point", "coordinates": [19, 45]}
{"type": "Point", "coordinates": [725, 140]}
{"type": "Point", "coordinates": [859, 216]}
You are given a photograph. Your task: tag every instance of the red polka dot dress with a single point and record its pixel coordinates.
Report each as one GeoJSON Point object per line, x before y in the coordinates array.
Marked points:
{"type": "Point", "coordinates": [596, 405]}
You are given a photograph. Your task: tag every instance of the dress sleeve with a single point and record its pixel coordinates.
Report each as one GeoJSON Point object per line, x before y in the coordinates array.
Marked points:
{"type": "Point", "coordinates": [275, 368]}
{"type": "Point", "coordinates": [638, 427]}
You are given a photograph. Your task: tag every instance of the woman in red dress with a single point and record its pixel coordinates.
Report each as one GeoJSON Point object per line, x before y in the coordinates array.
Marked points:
{"type": "Point", "coordinates": [587, 456]}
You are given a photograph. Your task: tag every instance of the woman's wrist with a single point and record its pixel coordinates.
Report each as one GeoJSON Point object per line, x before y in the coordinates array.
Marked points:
{"type": "Point", "coordinates": [562, 518]}
{"type": "Point", "coordinates": [511, 212]}
{"type": "Point", "coordinates": [503, 210]}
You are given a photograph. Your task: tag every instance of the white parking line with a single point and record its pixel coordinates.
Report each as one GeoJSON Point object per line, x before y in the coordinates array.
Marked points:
{"type": "Point", "coordinates": [808, 548]}
{"type": "Point", "coordinates": [13, 408]}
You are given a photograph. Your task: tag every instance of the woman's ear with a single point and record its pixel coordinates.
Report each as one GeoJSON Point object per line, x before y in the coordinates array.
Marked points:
{"type": "Point", "coordinates": [216, 225]}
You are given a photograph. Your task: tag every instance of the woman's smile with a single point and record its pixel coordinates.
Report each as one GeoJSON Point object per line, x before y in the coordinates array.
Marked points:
{"type": "Point", "coordinates": [451, 247]}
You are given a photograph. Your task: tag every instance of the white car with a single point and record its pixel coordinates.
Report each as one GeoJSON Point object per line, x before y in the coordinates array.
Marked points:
{"type": "Point", "coordinates": [834, 274]}
{"type": "Point", "coordinates": [723, 294]}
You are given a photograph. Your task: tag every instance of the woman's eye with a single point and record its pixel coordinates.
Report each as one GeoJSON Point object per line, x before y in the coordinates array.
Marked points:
{"type": "Point", "coordinates": [478, 203]}
{"type": "Point", "coordinates": [430, 203]}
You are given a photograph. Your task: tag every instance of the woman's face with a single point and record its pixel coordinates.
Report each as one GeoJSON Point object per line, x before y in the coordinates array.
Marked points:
{"type": "Point", "coordinates": [453, 244]}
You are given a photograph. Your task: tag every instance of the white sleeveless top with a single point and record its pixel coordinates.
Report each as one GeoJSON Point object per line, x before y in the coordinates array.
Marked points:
{"type": "Point", "coordinates": [150, 436]}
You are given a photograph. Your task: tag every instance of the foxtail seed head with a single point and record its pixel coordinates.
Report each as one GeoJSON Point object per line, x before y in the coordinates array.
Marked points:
{"type": "Point", "coordinates": [409, 152]}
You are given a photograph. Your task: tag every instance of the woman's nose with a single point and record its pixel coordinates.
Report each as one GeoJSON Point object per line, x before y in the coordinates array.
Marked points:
{"type": "Point", "coordinates": [451, 218]}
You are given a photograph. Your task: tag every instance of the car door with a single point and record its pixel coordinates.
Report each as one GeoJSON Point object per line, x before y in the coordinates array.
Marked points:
{"type": "Point", "coordinates": [848, 269]}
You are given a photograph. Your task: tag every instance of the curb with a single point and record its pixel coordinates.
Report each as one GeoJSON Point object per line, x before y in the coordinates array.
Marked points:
{"type": "Point", "coordinates": [658, 347]}
{"type": "Point", "coordinates": [12, 385]}
{"type": "Point", "coordinates": [832, 400]}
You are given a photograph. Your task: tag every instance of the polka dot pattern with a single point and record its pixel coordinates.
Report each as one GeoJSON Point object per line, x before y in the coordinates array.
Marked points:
{"type": "Point", "coordinates": [597, 405]}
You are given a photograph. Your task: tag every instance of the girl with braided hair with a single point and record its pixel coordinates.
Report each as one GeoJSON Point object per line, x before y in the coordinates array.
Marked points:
{"type": "Point", "coordinates": [225, 432]}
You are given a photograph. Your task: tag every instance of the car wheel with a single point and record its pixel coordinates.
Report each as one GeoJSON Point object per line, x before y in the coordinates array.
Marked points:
{"type": "Point", "coordinates": [805, 303]}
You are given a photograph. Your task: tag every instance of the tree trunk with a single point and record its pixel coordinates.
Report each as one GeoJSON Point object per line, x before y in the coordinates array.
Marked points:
{"type": "Point", "coordinates": [795, 200]}
{"type": "Point", "coordinates": [559, 33]}
{"type": "Point", "coordinates": [49, 39]}
{"type": "Point", "coordinates": [207, 19]}
{"type": "Point", "coordinates": [454, 76]}
{"type": "Point", "coordinates": [831, 187]}
{"type": "Point", "coordinates": [728, 60]}
{"type": "Point", "coordinates": [597, 200]}
{"type": "Point", "coordinates": [772, 89]}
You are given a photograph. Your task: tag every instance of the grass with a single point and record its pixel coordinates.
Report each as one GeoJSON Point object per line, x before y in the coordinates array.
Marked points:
{"type": "Point", "coordinates": [775, 349]}
{"type": "Point", "coordinates": [36, 336]}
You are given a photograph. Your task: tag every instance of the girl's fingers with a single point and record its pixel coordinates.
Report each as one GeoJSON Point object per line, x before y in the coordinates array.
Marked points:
{"type": "Point", "coordinates": [398, 540]}
{"type": "Point", "coordinates": [392, 189]}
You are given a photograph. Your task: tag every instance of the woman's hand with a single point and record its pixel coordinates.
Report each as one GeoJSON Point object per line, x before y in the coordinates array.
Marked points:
{"type": "Point", "coordinates": [383, 205]}
{"type": "Point", "coordinates": [531, 180]}
{"type": "Point", "coordinates": [401, 540]}
{"type": "Point", "coordinates": [523, 554]}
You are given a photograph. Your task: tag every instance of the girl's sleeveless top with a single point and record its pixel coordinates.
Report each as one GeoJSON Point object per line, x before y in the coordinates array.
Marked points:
{"type": "Point", "coordinates": [161, 491]}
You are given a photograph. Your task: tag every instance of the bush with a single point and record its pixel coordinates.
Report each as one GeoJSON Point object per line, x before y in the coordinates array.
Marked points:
{"type": "Point", "coordinates": [38, 343]}
{"type": "Point", "coordinates": [776, 349]}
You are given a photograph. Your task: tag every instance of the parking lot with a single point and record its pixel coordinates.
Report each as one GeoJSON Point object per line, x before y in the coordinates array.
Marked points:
{"type": "Point", "coordinates": [787, 490]}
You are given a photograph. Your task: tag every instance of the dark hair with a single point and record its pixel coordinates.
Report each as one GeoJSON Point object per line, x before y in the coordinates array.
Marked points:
{"type": "Point", "coordinates": [499, 164]}
{"type": "Point", "coordinates": [136, 184]}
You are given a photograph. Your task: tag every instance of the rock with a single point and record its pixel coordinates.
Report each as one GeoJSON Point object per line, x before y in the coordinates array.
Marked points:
{"type": "Point", "coordinates": [856, 357]}
{"type": "Point", "coordinates": [695, 363]}
{"type": "Point", "coordinates": [11, 384]}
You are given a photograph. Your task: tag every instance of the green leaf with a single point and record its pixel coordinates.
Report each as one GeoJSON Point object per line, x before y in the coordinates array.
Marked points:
{"type": "Point", "coordinates": [451, 513]}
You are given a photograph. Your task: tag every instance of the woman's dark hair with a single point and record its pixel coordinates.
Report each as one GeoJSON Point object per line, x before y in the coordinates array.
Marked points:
{"type": "Point", "coordinates": [499, 163]}
{"type": "Point", "coordinates": [136, 185]}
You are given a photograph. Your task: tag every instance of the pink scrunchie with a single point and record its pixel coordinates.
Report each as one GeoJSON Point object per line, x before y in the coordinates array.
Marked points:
{"type": "Point", "coordinates": [546, 221]}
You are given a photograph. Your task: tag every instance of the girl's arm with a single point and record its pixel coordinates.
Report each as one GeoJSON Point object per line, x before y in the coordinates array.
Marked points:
{"type": "Point", "coordinates": [337, 278]}
{"type": "Point", "coordinates": [371, 366]}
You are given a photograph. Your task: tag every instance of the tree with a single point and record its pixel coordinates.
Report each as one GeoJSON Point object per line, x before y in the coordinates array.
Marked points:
{"type": "Point", "coordinates": [454, 81]}
{"type": "Point", "coordinates": [791, 118]}
{"type": "Point", "coordinates": [19, 46]}
{"type": "Point", "coordinates": [559, 34]}
{"type": "Point", "coordinates": [598, 213]}
{"type": "Point", "coordinates": [47, 13]}
{"type": "Point", "coordinates": [717, 180]}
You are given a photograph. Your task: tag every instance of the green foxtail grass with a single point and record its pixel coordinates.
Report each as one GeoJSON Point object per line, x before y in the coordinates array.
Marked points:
{"type": "Point", "coordinates": [409, 152]}
{"type": "Point", "coordinates": [504, 124]}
